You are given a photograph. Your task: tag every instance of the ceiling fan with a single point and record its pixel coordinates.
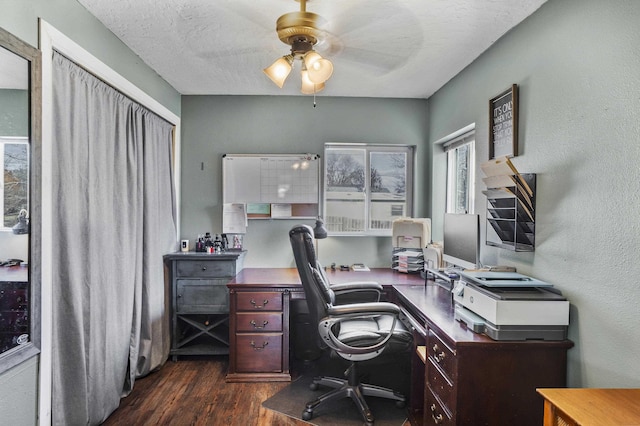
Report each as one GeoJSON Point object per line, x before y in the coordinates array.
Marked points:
{"type": "Point", "coordinates": [302, 31]}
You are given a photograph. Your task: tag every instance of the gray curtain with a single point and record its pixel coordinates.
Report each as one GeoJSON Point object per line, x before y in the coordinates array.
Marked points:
{"type": "Point", "coordinates": [114, 209]}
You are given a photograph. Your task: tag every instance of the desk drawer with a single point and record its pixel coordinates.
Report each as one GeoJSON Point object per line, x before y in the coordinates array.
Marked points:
{"type": "Point", "coordinates": [440, 386]}
{"type": "Point", "coordinates": [441, 355]}
{"type": "Point", "coordinates": [205, 268]}
{"type": "Point", "coordinates": [258, 321]}
{"type": "Point", "coordinates": [259, 353]}
{"type": "Point", "coordinates": [258, 301]}
{"type": "Point", "coordinates": [434, 413]}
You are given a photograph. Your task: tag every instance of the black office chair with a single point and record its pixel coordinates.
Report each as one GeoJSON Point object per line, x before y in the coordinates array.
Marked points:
{"type": "Point", "coordinates": [355, 331]}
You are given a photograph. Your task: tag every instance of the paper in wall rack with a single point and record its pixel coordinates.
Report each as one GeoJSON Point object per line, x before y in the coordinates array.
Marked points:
{"type": "Point", "coordinates": [510, 205]}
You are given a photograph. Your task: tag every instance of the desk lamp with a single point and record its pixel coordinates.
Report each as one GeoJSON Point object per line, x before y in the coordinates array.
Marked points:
{"type": "Point", "coordinates": [319, 233]}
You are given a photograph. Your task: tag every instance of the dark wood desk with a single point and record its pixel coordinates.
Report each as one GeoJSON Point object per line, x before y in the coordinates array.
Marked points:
{"type": "Point", "coordinates": [469, 379]}
{"type": "Point", "coordinates": [259, 323]}
{"type": "Point", "coordinates": [458, 377]}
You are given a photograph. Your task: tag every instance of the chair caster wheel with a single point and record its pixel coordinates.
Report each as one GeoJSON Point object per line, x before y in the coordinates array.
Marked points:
{"type": "Point", "coordinates": [314, 386]}
{"type": "Point", "coordinates": [400, 404]}
{"type": "Point", "coordinates": [307, 415]}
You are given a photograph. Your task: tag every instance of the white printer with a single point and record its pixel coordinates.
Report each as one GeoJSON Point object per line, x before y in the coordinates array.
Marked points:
{"type": "Point", "coordinates": [510, 306]}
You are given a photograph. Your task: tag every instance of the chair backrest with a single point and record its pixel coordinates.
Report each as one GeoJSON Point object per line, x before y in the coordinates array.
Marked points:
{"type": "Point", "coordinates": [318, 294]}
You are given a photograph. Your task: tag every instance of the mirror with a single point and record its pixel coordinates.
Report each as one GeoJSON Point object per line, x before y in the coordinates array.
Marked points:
{"type": "Point", "coordinates": [20, 106]}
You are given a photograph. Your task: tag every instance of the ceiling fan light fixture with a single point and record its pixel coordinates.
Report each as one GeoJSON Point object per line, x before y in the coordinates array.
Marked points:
{"type": "Point", "coordinates": [308, 86]}
{"type": "Point", "coordinates": [302, 31]}
{"type": "Point", "coordinates": [279, 70]}
{"type": "Point", "coordinates": [320, 69]}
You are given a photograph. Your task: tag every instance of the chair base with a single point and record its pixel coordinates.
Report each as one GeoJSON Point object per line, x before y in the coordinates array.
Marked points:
{"type": "Point", "coordinates": [351, 388]}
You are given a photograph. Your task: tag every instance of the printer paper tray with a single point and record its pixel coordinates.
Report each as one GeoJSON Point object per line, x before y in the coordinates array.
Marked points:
{"type": "Point", "coordinates": [525, 332]}
{"type": "Point", "coordinates": [478, 324]}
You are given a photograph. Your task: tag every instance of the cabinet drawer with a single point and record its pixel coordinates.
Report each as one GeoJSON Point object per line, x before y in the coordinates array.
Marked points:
{"type": "Point", "coordinates": [263, 300]}
{"type": "Point", "coordinates": [258, 321]}
{"type": "Point", "coordinates": [202, 296]}
{"type": "Point", "coordinates": [440, 385]}
{"type": "Point", "coordinates": [259, 353]}
{"type": "Point", "coordinates": [205, 268]}
{"type": "Point", "coordinates": [441, 355]}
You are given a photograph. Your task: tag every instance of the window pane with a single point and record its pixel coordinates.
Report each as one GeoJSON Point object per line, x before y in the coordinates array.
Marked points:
{"type": "Point", "coordinates": [344, 190]}
{"type": "Point", "coordinates": [460, 179]}
{"type": "Point", "coordinates": [16, 181]}
{"type": "Point", "coordinates": [388, 182]}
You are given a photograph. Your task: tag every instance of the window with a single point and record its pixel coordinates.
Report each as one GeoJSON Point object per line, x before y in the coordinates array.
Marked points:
{"type": "Point", "coordinates": [366, 187]}
{"type": "Point", "coordinates": [14, 182]}
{"type": "Point", "coordinates": [460, 172]}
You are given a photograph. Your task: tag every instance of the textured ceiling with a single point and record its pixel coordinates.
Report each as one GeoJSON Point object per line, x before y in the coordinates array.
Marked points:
{"type": "Point", "coordinates": [379, 48]}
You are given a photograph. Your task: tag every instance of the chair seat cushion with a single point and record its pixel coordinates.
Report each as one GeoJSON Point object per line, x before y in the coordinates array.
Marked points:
{"type": "Point", "coordinates": [367, 332]}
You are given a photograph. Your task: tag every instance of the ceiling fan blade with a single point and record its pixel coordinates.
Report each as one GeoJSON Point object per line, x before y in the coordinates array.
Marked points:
{"type": "Point", "coordinates": [381, 40]}
{"type": "Point", "coordinates": [376, 63]}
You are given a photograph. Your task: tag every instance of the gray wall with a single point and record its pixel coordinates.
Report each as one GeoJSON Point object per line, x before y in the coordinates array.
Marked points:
{"type": "Point", "coordinates": [217, 125]}
{"type": "Point", "coordinates": [578, 68]}
{"type": "Point", "coordinates": [18, 386]}
{"type": "Point", "coordinates": [14, 112]}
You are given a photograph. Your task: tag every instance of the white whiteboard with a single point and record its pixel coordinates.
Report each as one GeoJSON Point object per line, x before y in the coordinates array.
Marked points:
{"type": "Point", "coordinates": [272, 179]}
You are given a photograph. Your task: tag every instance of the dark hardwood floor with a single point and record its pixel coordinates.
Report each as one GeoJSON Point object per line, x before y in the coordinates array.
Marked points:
{"type": "Point", "coordinates": [193, 391]}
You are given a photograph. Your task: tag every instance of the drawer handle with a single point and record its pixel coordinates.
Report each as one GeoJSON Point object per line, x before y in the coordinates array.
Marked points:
{"type": "Point", "coordinates": [255, 325]}
{"type": "Point", "coordinates": [438, 356]}
{"type": "Point", "coordinates": [437, 419]}
{"type": "Point", "coordinates": [256, 306]}
{"type": "Point", "coordinates": [204, 268]}
{"type": "Point", "coordinates": [258, 348]}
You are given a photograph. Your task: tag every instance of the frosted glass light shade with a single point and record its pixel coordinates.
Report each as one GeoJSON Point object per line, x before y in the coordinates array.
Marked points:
{"type": "Point", "coordinates": [319, 69]}
{"type": "Point", "coordinates": [308, 86]}
{"type": "Point", "coordinates": [279, 70]}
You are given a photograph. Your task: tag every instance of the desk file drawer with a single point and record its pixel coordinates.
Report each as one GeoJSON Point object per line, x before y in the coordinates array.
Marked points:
{"type": "Point", "coordinates": [205, 269]}
{"type": "Point", "coordinates": [258, 321]}
{"type": "Point", "coordinates": [259, 300]}
{"type": "Point", "coordinates": [259, 353]}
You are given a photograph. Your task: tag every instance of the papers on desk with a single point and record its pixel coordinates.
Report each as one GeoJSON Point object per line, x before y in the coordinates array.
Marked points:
{"type": "Point", "coordinates": [407, 260]}
{"type": "Point", "coordinates": [234, 218]}
{"type": "Point", "coordinates": [360, 267]}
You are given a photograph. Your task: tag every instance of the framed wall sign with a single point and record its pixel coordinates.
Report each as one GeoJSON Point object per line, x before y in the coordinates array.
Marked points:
{"type": "Point", "coordinates": [503, 124]}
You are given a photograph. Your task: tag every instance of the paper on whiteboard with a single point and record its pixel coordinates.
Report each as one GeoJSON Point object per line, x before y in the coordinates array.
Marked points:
{"type": "Point", "coordinates": [280, 210]}
{"type": "Point", "coordinates": [234, 218]}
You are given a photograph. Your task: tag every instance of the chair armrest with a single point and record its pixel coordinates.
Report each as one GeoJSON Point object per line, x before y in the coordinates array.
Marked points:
{"type": "Point", "coordinates": [357, 292]}
{"type": "Point", "coordinates": [363, 310]}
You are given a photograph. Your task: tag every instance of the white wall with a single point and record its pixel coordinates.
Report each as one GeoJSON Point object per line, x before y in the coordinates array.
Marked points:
{"type": "Point", "coordinates": [577, 65]}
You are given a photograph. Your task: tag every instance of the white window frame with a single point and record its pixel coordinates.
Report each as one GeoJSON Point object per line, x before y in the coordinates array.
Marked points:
{"type": "Point", "coordinates": [452, 145]}
{"type": "Point", "coordinates": [365, 195]}
{"type": "Point", "coordinates": [10, 140]}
